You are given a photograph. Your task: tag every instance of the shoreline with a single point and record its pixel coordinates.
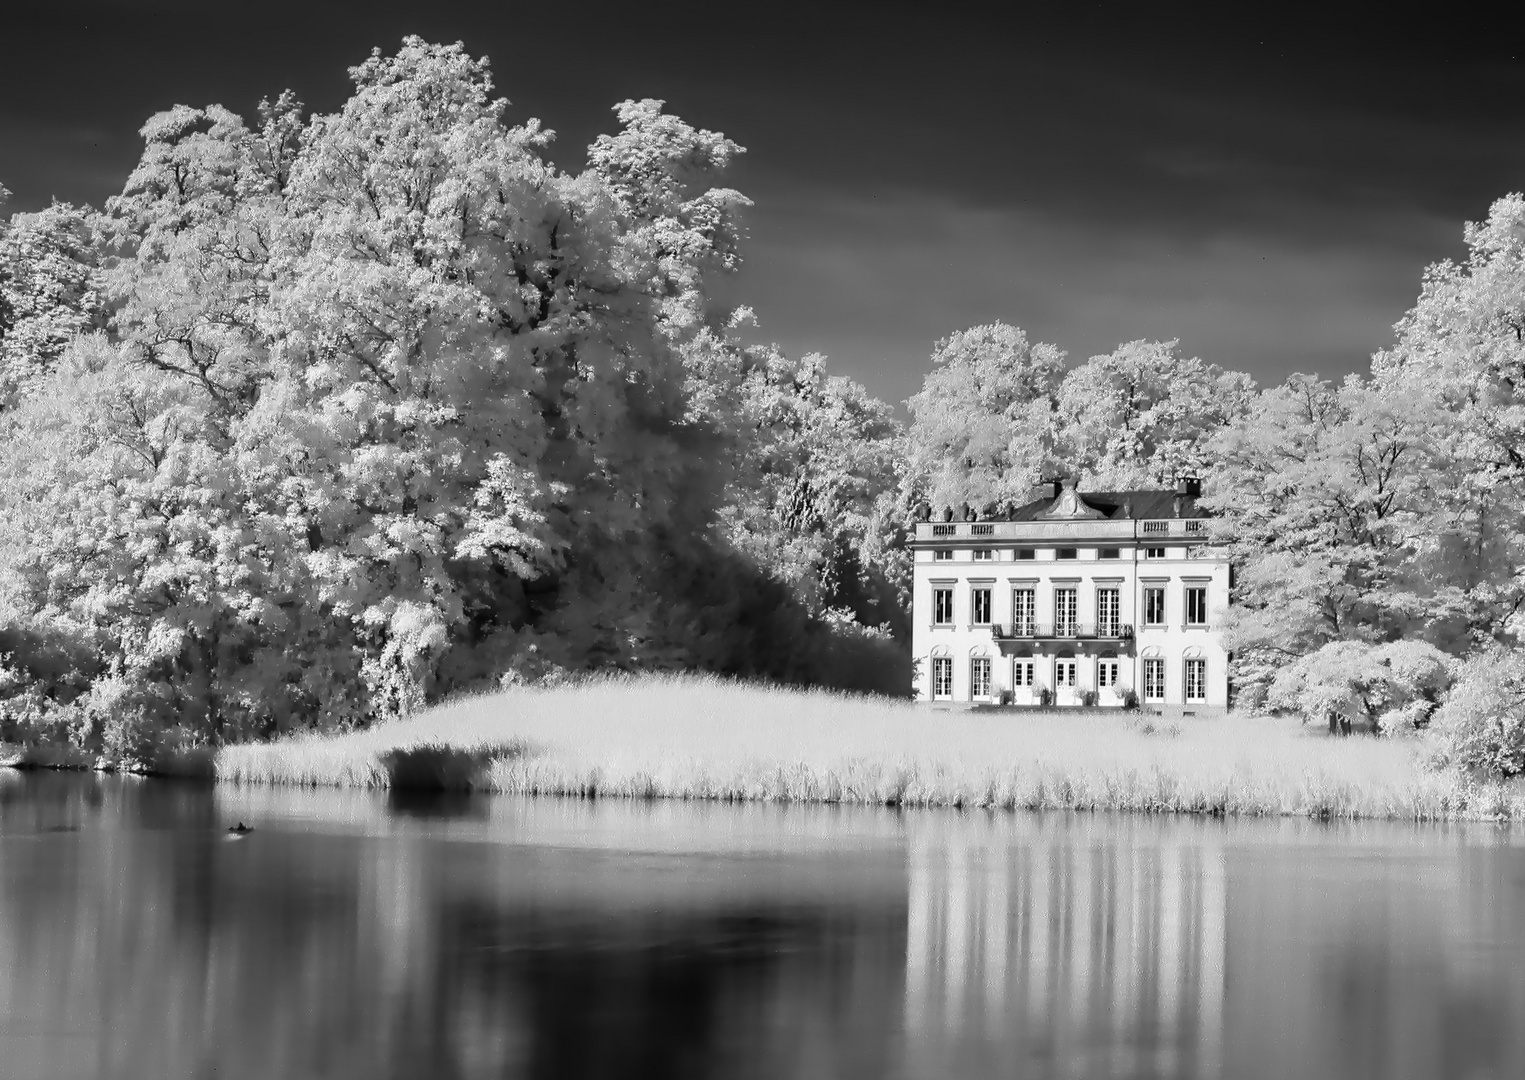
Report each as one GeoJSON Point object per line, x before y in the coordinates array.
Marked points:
{"type": "Point", "coordinates": [703, 739]}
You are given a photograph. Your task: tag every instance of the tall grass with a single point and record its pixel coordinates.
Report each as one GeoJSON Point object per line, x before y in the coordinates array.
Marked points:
{"type": "Point", "coordinates": [706, 738]}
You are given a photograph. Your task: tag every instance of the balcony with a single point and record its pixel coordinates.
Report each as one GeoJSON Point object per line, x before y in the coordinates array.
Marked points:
{"type": "Point", "coordinates": [1061, 631]}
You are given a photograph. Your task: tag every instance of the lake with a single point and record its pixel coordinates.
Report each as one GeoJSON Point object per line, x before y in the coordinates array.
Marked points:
{"type": "Point", "coordinates": [357, 934]}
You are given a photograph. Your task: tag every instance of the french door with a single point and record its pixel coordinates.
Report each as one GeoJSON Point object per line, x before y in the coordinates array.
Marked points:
{"type": "Point", "coordinates": [942, 676]}
{"type": "Point", "coordinates": [1108, 612]}
{"type": "Point", "coordinates": [1065, 609]}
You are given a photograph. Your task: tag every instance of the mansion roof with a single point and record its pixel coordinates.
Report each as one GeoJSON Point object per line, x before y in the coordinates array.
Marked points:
{"type": "Point", "coordinates": [1138, 505]}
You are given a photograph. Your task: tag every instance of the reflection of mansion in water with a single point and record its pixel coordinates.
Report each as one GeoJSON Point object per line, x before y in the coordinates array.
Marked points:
{"type": "Point", "coordinates": [1111, 959]}
{"type": "Point", "coordinates": [1072, 595]}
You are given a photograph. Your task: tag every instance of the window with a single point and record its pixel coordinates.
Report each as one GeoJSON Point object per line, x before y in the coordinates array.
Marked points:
{"type": "Point", "coordinates": [1021, 674]}
{"type": "Point", "coordinates": [1064, 611]}
{"type": "Point", "coordinates": [979, 677]}
{"type": "Point", "coordinates": [1026, 553]}
{"type": "Point", "coordinates": [983, 554]}
{"type": "Point", "coordinates": [1109, 553]}
{"type": "Point", "coordinates": [1196, 681]}
{"type": "Point", "coordinates": [1154, 553]}
{"type": "Point", "coordinates": [1024, 608]}
{"type": "Point", "coordinates": [942, 607]}
{"type": "Point", "coordinates": [1108, 608]}
{"type": "Point", "coordinates": [1064, 674]}
{"type": "Point", "coordinates": [1154, 679]}
{"type": "Point", "coordinates": [979, 606]}
{"type": "Point", "coordinates": [1065, 553]}
{"type": "Point", "coordinates": [1154, 606]}
{"type": "Point", "coordinates": [1106, 674]}
{"type": "Point", "coordinates": [1196, 605]}
{"type": "Point", "coordinates": [942, 676]}
{"type": "Point", "coordinates": [941, 554]}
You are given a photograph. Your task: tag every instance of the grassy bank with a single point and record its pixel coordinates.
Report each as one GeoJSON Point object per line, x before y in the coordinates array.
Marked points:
{"type": "Point", "coordinates": [698, 738]}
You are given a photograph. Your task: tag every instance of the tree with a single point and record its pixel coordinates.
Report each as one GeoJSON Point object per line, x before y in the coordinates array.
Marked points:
{"type": "Point", "coordinates": [982, 428]}
{"type": "Point", "coordinates": [49, 292]}
{"type": "Point", "coordinates": [1460, 357]}
{"type": "Point", "coordinates": [1142, 415]}
{"type": "Point", "coordinates": [1323, 493]}
{"type": "Point", "coordinates": [1392, 688]}
{"type": "Point", "coordinates": [389, 407]}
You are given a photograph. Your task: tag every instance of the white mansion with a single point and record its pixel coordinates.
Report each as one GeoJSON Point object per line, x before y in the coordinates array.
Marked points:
{"type": "Point", "coordinates": [1072, 594]}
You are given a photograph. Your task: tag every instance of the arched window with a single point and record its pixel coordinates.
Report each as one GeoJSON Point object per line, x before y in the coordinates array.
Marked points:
{"type": "Point", "coordinates": [1153, 658]}
{"type": "Point", "coordinates": [1194, 675]}
{"type": "Point", "coordinates": [942, 673]}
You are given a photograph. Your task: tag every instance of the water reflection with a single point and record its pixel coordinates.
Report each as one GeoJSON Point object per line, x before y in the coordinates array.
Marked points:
{"type": "Point", "coordinates": [356, 935]}
{"type": "Point", "coordinates": [1090, 955]}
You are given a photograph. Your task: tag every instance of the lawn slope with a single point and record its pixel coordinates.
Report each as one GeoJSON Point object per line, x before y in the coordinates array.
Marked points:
{"type": "Point", "coordinates": [704, 738]}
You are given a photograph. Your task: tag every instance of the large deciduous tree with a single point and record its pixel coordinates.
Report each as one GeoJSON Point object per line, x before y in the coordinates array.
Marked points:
{"type": "Point", "coordinates": [983, 426]}
{"type": "Point", "coordinates": [49, 292]}
{"type": "Point", "coordinates": [390, 406]}
{"type": "Point", "coordinates": [1142, 415]}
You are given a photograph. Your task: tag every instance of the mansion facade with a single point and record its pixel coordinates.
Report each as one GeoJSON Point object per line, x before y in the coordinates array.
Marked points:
{"type": "Point", "coordinates": [1074, 597]}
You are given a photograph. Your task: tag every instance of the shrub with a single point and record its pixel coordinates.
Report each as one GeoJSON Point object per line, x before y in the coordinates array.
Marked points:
{"type": "Point", "coordinates": [1389, 688]}
{"type": "Point", "coordinates": [1045, 696]}
{"type": "Point", "coordinates": [1088, 698]}
{"type": "Point", "coordinates": [1130, 699]}
{"type": "Point", "coordinates": [1481, 726]}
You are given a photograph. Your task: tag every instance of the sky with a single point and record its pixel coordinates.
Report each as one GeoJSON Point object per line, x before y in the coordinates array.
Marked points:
{"type": "Point", "coordinates": [1265, 184]}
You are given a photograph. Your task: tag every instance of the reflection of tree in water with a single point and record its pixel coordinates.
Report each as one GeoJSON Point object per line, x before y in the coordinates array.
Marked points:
{"type": "Point", "coordinates": [1406, 965]}
{"type": "Point", "coordinates": [176, 952]}
{"type": "Point", "coordinates": [786, 992]}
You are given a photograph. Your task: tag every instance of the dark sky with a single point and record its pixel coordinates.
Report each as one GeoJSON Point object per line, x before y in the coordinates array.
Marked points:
{"type": "Point", "coordinates": [1267, 185]}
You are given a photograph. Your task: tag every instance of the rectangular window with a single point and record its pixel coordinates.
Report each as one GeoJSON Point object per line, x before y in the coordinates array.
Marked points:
{"type": "Point", "coordinates": [942, 607]}
{"type": "Point", "coordinates": [1154, 680]}
{"type": "Point", "coordinates": [1196, 605]}
{"type": "Point", "coordinates": [1024, 610]}
{"type": "Point", "coordinates": [1021, 674]}
{"type": "Point", "coordinates": [942, 554]}
{"type": "Point", "coordinates": [983, 554]}
{"type": "Point", "coordinates": [1108, 612]}
{"type": "Point", "coordinates": [1106, 674]}
{"type": "Point", "coordinates": [1064, 674]}
{"type": "Point", "coordinates": [1026, 553]}
{"type": "Point", "coordinates": [1154, 553]}
{"type": "Point", "coordinates": [1154, 606]}
{"type": "Point", "coordinates": [1196, 681]}
{"type": "Point", "coordinates": [1109, 553]}
{"type": "Point", "coordinates": [979, 606]}
{"type": "Point", "coordinates": [979, 677]}
{"type": "Point", "coordinates": [1065, 553]}
{"type": "Point", "coordinates": [942, 676]}
{"type": "Point", "coordinates": [1065, 608]}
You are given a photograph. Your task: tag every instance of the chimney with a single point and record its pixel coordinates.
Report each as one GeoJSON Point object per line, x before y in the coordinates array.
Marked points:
{"type": "Point", "coordinates": [1188, 485]}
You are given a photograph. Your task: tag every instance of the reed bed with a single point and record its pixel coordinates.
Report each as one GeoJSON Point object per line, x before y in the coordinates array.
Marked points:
{"type": "Point", "coordinates": [703, 738]}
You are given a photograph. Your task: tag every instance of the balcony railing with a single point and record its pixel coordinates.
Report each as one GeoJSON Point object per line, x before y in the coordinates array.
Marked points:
{"type": "Point", "coordinates": [1062, 631]}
